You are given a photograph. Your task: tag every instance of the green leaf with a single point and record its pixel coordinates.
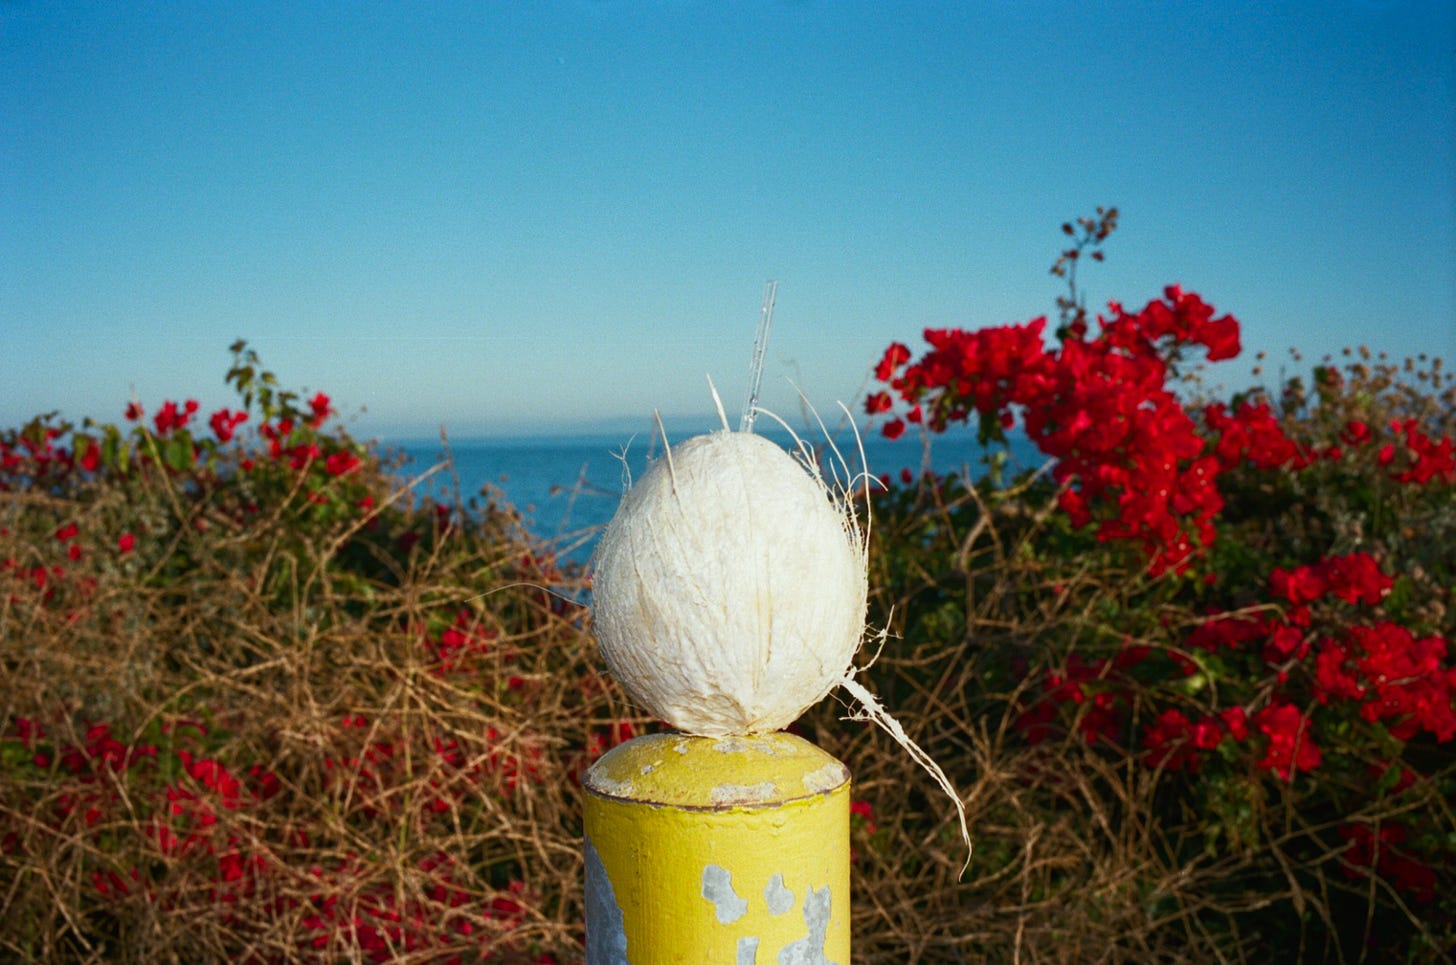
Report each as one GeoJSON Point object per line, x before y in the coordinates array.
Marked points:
{"type": "Point", "coordinates": [14, 754]}
{"type": "Point", "coordinates": [177, 453]}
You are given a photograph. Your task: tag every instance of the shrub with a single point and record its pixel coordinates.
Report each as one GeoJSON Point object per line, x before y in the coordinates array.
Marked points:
{"type": "Point", "coordinates": [261, 703]}
{"type": "Point", "coordinates": [1194, 673]}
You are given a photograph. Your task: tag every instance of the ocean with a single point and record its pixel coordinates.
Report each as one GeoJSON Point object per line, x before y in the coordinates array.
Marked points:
{"type": "Point", "coordinates": [567, 486]}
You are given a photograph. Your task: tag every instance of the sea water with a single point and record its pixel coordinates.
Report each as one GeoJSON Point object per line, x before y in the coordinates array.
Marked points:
{"type": "Point", "coordinates": [567, 485]}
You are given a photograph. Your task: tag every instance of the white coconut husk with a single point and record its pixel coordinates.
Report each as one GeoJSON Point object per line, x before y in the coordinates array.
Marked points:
{"type": "Point", "coordinates": [729, 592]}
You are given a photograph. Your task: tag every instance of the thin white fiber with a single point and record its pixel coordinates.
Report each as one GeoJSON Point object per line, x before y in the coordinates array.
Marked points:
{"type": "Point", "coordinates": [873, 710]}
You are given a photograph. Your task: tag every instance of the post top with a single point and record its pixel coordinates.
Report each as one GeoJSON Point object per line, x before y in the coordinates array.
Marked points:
{"type": "Point", "coordinates": [715, 773]}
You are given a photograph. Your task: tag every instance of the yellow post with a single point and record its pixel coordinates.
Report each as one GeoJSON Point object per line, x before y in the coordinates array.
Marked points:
{"type": "Point", "coordinates": [729, 851]}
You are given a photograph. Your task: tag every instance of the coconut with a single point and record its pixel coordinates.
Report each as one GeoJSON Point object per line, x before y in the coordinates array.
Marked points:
{"type": "Point", "coordinates": [729, 590]}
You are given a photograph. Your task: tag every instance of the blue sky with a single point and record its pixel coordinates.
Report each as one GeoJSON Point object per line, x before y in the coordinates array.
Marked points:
{"type": "Point", "coordinates": [506, 217]}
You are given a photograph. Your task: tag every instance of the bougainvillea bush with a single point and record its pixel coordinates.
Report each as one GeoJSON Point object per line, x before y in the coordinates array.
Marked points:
{"type": "Point", "coordinates": [1195, 672]}
{"type": "Point", "coordinates": [259, 702]}
{"type": "Point", "coordinates": [1192, 673]}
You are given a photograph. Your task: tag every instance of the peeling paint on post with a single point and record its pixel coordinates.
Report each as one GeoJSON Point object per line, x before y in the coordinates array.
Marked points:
{"type": "Point", "coordinates": [728, 850]}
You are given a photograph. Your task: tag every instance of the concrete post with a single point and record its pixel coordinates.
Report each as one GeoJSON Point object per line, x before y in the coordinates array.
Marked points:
{"type": "Point", "coordinates": [728, 851]}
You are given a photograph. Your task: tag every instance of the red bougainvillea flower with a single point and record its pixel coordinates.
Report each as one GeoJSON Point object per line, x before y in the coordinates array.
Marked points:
{"type": "Point", "coordinates": [1182, 317]}
{"type": "Point", "coordinates": [1335, 676]}
{"type": "Point", "coordinates": [1253, 435]}
{"type": "Point", "coordinates": [1173, 741]}
{"type": "Point", "coordinates": [1355, 433]}
{"type": "Point", "coordinates": [301, 455]}
{"type": "Point", "coordinates": [1286, 642]}
{"type": "Point", "coordinates": [91, 454]}
{"type": "Point", "coordinates": [465, 640]}
{"type": "Point", "coordinates": [1400, 679]}
{"type": "Point", "coordinates": [134, 411]}
{"type": "Point", "coordinates": [1236, 721]}
{"type": "Point", "coordinates": [1354, 578]}
{"type": "Point", "coordinates": [1223, 631]}
{"type": "Point", "coordinates": [1094, 687]}
{"type": "Point", "coordinates": [341, 463]}
{"type": "Point", "coordinates": [863, 815]}
{"type": "Point", "coordinates": [1169, 741]}
{"type": "Point", "coordinates": [224, 423]}
{"type": "Point", "coordinates": [895, 356]}
{"type": "Point", "coordinates": [1380, 852]}
{"type": "Point", "coordinates": [170, 417]}
{"type": "Point", "coordinates": [1428, 459]}
{"type": "Point", "coordinates": [1304, 584]}
{"type": "Point", "coordinates": [276, 434]}
{"type": "Point", "coordinates": [101, 750]}
{"type": "Point", "coordinates": [110, 884]}
{"type": "Point", "coordinates": [877, 402]}
{"type": "Point", "coordinates": [319, 405]}
{"type": "Point", "coordinates": [213, 776]}
{"type": "Point", "coordinates": [1291, 748]}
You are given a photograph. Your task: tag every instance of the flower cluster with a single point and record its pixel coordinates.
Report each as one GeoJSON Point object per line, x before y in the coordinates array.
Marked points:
{"type": "Point", "coordinates": [1099, 406]}
{"type": "Point", "coordinates": [187, 807]}
{"type": "Point", "coordinates": [1173, 741]}
{"type": "Point", "coordinates": [1393, 676]}
{"type": "Point", "coordinates": [225, 424]}
{"type": "Point", "coordinates": [170, 418]}
{"type": "Point", "coordinates": [1317, 654]}
{"type": "Point", "coordinates": [1379, 850]}
{"type": "Point", "coordinates": [1307, 670]}
{"type": "Point", "coordinates": [1128, 454]}
{"type": "Point", "coordinates": [1252, 436]}
{"type": "Point", "coordinates": [1094, 690]}
{"type": "Point", "coordinates": [1424, 459]}
{"type": "Point", "coordinates": [1396, 678]}
{"type": "Point", "coordinates": [35, 457]}
{"type": "Point", "coordinates": [353, 827]}
{"type": "Point", "coordinates": [385, 925]}
{"type": "Point", "coordinates": [174, 801]}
